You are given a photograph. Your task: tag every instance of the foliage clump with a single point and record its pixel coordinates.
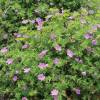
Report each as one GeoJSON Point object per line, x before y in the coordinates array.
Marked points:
{"type": "Point", "coordinates": [49, 54]}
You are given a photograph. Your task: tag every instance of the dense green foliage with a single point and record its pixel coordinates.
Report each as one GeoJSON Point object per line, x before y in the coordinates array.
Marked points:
{"type": "Point", "coordinates": [13, 11]}
{"type": "Point", "coordinates": [63, 46]}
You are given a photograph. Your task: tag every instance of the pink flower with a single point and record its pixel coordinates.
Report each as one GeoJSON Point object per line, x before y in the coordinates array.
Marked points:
{"type": "Point", "coordinates": [27, 70]}
{"type": "Point", "coordinates": [42, 53]}
{"type": "Point", "coordinates": [17, 72]}
{"type": "Point", "coordinates": [5, 36]}
{"type": "Point", "coordinates": [25, 46]}
{"type": "Point", "coordinates": [91, 11]}
{"type": "Point", "coordinates": [42, 65]}
{"type": "Point", "coordinates": [39, 21]}
{"type": "Point", "coordinates": [24, 98]}
{"type": "Point", "coordinates": [83, 21]}
{"type": "Point", "coordinates": [83, 73]}
{"type": "Point", "coordinates": [62, 11]}
{"type": "Point", "coordinates": [39, 27]}
{"type": "Point", "coordinates": [15, 78]}
{"type": "Point", "coordinates": [58, 47]}
{"type": "Point", "coordinates": [56, 61]}
{"type": "Point", "coordinates": [9, 61]}
{"type": "Point", "coordinates": [79, 60]}
{"type": "Point", "coordinates": [88, 36]}
{"type": "Point", "coordinates": [89, 49]}
{"type": "Point", "coordinates": [41, 77]}
{"type": "Point", "coordinates": [77, 91]}
{"type": "Point", "coordinates": [94, 42]}
{"type": "Point", "coordinates": [54, 92]}
{"type": "Point", "coordinates": [48, 17]}
{"type": "Point", "coordinates": [25, 21]}
{"type": "Point", "coordinates": [94, 28]}
{"type": "Point", "coordinates": [53, 36]}
{"type": "Point", "coordinates": [71, 18]}
{"type": "Point", "coordinates": [25, 36]}
{"type": "Point", "coordinates": [98, 25]}
{"type": "Point", "coordinates": [17, 35]}
{"type": "Point", "coordinates": [70, 53]}
{"type": "Point", "coordinates": [32, 21]}
{"type": "Point", "coordinates": [4, 50]}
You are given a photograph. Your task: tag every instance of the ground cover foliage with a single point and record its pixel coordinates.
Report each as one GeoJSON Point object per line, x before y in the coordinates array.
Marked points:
{"type": "Point", "coordinates": [49, 50]}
